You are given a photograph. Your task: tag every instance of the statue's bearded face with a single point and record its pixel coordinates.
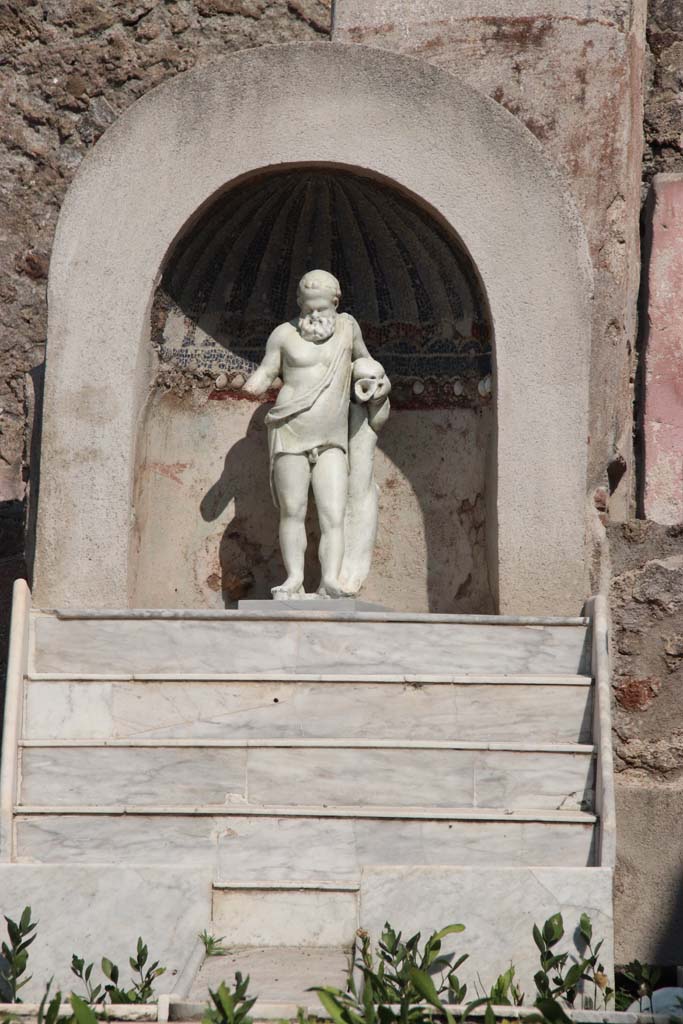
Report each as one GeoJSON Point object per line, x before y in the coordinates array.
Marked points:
{"type": "Point", "coordinates": [318, 318]}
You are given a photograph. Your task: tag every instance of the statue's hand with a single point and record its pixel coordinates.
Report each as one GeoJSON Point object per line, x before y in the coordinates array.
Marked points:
{"type": "Point", "coordinates": [382, 390]}
{"type": "Point", "coordinates": [364, 388]}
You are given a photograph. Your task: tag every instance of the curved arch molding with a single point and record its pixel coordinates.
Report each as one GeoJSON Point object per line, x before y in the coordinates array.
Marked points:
{"type": "Point", "coordinates": [473, 163]}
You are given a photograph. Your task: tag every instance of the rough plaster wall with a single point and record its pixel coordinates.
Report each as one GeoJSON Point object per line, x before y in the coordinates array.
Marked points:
{"type": "Point", "coordinates": [571, 71]}
{"type": "Point", "coordinates": [69, 68]}
{"type": "Point", "coordinates": [664, 94]}
{"type": "Point", "coordinates": [647, 609]}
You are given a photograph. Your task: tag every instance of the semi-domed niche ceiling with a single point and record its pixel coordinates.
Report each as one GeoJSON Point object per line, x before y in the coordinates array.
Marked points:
{"type": "Point", "coordinates": [233, 277]}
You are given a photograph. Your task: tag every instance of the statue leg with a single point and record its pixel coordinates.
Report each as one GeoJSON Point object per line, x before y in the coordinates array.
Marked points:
{"type": "Point", "coordinates": [292, 478]}
{"type": "Point", "coordinates": [330, 479]}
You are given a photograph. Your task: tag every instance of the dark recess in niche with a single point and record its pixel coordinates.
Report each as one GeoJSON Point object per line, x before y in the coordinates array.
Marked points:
{"type": "Point", "coordinates": [404, 277]}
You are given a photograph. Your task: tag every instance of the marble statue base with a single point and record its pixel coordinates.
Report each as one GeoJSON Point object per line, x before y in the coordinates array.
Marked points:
{"type": "Point", "coordinates": [311, 603]}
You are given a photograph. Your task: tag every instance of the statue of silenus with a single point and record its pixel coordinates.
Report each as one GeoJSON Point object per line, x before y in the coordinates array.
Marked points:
{"type": "Point", "coordinates": [322, 432]}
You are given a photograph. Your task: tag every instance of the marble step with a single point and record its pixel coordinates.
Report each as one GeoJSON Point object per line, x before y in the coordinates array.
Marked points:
{"type": "Point", "coordinates": [373, 643]}
{"type": "Point", "coordinates": [294, 773]}
{"type": "Point", "coordinates": [277, 844]}
{"type": "Point", "coordinates": [277, 974]}
{"type": "Point", "coordinates": [477, 707]}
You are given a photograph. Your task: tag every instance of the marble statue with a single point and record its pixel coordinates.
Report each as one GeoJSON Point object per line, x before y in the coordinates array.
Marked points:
{"type": "Point", "coordinates": [322, 433]}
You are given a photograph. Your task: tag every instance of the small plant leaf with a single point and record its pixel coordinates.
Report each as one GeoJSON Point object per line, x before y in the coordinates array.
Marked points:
{"type": "Point", "coordinates": [552, 1011]}
{"type": "Point", "coordinates": [82, 1012]}
{"type": "Point", "coordinates": [586, 927]}
{"type": "Point", "coordinates": [538, 938]}
{"type": "Point", "coordinates": [553, 929]}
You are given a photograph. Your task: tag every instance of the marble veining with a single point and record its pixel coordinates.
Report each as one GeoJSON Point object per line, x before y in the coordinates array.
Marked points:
{"type": "Point", "coordinates": [53, 777]}
{"type": "Point", "coordinates": [413, 778]}
{"type": "Point", "coordinates": [217, 710]}
{"type": "Point", "coordinates": [168, 645]}
{"type": "Point", "coordinates": [257, 848]}
{"type": "Point", "coordinates": [95, 912]}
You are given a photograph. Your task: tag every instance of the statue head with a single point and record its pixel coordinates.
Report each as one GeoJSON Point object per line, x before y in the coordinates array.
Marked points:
{"type": "Point", "coordinates": [318, 296]}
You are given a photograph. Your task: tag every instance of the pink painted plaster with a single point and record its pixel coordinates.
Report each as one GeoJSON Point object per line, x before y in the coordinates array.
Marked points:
{"type": "Point", "coordinates": [663, 423]}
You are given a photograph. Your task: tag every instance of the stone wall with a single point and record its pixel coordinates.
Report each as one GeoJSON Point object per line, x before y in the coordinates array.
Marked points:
{"type": "Point", "coordinates": [70, 67]}
{"type": "Point", "coordinates": [647, 565]}
{"type": "Point", "coordinates": [647, 608]}
{"type": "Point", "coordinates": [664, 96]}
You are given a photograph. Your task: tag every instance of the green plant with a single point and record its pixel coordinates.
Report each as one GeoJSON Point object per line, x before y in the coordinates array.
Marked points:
{"type": "Point", "coordinates": [505, 991]}
{"type": "Point", "coordinates": [212, 944]}
{"type": "Point", "coordinates": [15, 955]}
{"type": "Point", "coordinates": [230, 1006]}
{"type": "Point", "coordinates": [644, 977]}
{"type": "Point", "coordinates": [82, 1013]}
{"type": "Point", "coordinates": [595, 970]}
{"type": "Point", "coordinates": [48, 1011]}
{"type": "Point", "coordinates": [401, 986]}
{"type": "Point", "coordinates": [94, 993]}
{"type": "Point", "coordinates": [559, 977]}
{"type": "Point", "coordinates": [142, 986]}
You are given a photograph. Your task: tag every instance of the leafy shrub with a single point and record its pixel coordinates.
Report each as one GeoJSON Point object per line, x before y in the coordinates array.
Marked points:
{"type": "Point", "coordinates": [142, 986]}
{"type": "Point", "coordinates": [230, 1006]}
{"type": "Point", "coordinates": [14, 958]}
{"type": "Point", "coordinates": [558, 978]}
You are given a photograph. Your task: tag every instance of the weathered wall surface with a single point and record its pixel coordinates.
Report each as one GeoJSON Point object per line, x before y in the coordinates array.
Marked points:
{"type": "Point", "coordinates": [70, 67]}
{"type": "Point", "coordinates": [572, 73]}
{"type": "Point", "coordinates": [664, 96]}
{"type": "Point", "coordinates": [647, 606]}
{"type": "Point", "coordinates": [647, 558]}
{"type": "Point", "coordinates": [207, 528]}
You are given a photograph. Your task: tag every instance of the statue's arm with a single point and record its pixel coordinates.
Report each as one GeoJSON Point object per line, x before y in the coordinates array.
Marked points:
{"type": "Point", "coordinates": [267, 373]}
{"type": "Point", "coordinates": [360, 349]}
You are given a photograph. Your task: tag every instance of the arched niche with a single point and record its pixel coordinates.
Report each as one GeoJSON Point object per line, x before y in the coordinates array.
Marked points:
{"type": "Point", "coordinates": [206, 530]}
{"type": "Point", "coordinates": [470, 162]}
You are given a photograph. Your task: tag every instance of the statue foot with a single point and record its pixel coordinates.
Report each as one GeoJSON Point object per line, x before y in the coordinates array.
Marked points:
{"type": "Point", "coordinates": [292, 587]}
{"type": "Point", "coordinates": [332, 588]}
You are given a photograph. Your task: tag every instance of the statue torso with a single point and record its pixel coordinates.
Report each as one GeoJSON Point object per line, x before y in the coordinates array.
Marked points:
{"type": "Point", "coordinates": [305, 363]}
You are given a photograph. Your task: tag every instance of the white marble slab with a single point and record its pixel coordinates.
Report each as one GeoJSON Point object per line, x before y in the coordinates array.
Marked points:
{"type": "Point", "coordinates": [517, 780]}
{"type": "Point", "coordinates": [95, 912]}
{"type": "Point", "coordinates": [86, 839]}
{"type": "Point", "coordinates": [498, 907]}
{"type": "Point", "coordinates": [220, 710]}
{"type": "Point", "coordinates": [278, 974]}
{"type": "Point", "coordinates": [157, 645]}
{"type": "Point", "coordinates": [286, 917]}
{"type": "Point", "coordinates": [413, 778]}
{"type": "Point", "coordinates": [297, 848]}
{"type": "Point", "coordinates": [246, 848]}
{"type": "Point", "coordinates": [87, 776]}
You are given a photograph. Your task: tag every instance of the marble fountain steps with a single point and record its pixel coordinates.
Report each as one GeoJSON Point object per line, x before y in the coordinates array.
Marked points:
{"type": "Point", "coordinates": [123, 746]}
{"type": "Point", "coordinates": [293, 756]}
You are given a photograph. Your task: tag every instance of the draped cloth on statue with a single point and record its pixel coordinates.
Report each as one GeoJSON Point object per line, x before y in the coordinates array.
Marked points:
{"type": "Point", "coordinates": [318, 418]}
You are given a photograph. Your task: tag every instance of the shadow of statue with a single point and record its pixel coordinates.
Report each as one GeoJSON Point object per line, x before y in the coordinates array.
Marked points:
{"type": "Point", "coordinates": [249, 551]}
{"type": "Point", "coordinates": [451, 505]}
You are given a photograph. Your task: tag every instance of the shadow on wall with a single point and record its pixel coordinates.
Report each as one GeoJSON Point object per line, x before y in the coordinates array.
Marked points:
{"type": "Point", "coordinates": [670, 943]}
{"type": "Point", "coordinates": [449, 553]}
{"type": "Point", "coordinates": [249, 553]}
